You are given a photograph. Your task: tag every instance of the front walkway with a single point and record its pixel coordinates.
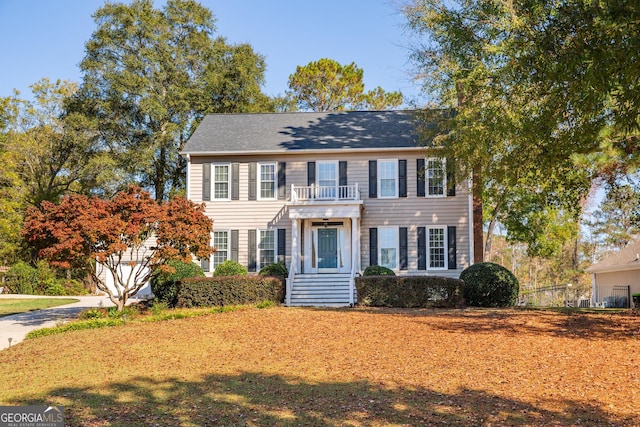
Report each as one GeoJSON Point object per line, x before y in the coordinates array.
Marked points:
{"type": "Point", "coordinates": [17, 326]}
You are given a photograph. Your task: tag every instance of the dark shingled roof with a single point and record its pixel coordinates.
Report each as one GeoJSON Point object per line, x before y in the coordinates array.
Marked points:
{"type": "Point", "coordinates": [282, 132]}
{"type": "Point", "coordinates": [627, 258]}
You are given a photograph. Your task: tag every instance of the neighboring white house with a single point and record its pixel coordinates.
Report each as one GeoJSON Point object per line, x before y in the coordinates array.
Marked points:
{"type": "Point", "coordinates": [617, 276]}
{"type": "Point", "coordinates": [328, 194]}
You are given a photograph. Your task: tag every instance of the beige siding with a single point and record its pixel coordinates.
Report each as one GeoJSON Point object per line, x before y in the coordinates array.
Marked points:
{"type": "Point", "coordinates": [410, 212]}
{"type": "Point", "coordinates": [605, 281]}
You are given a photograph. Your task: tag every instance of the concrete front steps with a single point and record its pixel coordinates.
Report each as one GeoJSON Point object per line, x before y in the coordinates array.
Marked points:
{"type": "Point", "coordinates": [321, 290]}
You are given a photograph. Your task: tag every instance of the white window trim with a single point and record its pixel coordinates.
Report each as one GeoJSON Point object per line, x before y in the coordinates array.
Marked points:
{"type": "Point", "coordinates": [275, 181]}
{"type": "Point", "coordinates": [397, 234]}
{"type": "Point", "coordinates": [228, 250]}
{"type": "Point", "coordinates": [336, 177]}
{"type": "Point", "coordinates": [443, 161]}
{"type": "Point", "coordinates": [213, 182]}
{"type": "Point", "coordinates": [396, 178]}
{"type": "Point", "coordinates": [275, 247]}
{"type": "Point", "coordinates": [446, 248]}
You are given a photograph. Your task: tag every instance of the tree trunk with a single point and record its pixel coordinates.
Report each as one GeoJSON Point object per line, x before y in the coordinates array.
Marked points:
{"type": "Point", "coordinates": [478, 254]}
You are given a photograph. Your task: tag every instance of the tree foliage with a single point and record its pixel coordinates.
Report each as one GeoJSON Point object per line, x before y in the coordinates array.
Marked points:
{"type": "Point", "coordinates": [326, 85]}
{"type": "Point", "coordinates": [544, 94]}
{"type": "Point", "coordinates": [45, 152]}
{"type": "Point", "coordinates": [150, 75]}
{"type": "Point", "coordinates": [617, 220]}
{"type": "Point", "coordinates": [93, 233]}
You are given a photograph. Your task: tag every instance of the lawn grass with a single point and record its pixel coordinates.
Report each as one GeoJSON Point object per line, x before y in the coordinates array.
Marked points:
{"type": "Point", "coordinates": [338, 367]}
{"type": "Point", "coordinates": [10, 306]}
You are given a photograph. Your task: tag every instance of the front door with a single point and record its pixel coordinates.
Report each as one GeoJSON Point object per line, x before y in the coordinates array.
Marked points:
{"type": "Point", "coordinates": [327, 250]}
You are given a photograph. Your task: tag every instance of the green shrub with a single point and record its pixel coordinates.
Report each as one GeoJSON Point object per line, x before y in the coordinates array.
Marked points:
{"type": "Point", "coordinates": [21, 279]}
{"type": "Point", "coordinates": [229, 290]}
{"type": "Point", "coordinates": [230, 268]}
{"type": "Point", "coordinates": [409, 291]}
{"type": "Point", "coordinates": [54, 288]}
{"type": "Point", "coordinates": [46, 278]}
{"type": "Point", "coordinates": [378, 270]}
{"type": "Point", "coordinates": [277, 269]}
{"type": "Point", "coordinates": [489, 285]}
{"type": "Point", "coordinates": [163, 284]}
{"type": "Point", "coordinates": [75, 287]}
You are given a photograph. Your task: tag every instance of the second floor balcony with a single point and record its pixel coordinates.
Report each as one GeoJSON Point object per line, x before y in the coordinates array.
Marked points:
{"type": "Point", "coordinates": [311, 193]}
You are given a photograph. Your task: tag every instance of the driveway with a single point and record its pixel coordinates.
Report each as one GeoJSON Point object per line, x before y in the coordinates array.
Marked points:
{"type": "Point", "coordinates": [17, 326]}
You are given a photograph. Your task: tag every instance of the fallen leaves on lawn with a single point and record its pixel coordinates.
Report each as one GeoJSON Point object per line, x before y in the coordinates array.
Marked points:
{"type": "Point", "coordinates": [351, 367]}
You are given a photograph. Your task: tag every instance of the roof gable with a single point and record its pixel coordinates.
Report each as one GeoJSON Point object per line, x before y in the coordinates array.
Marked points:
{"type": "Point", "coordinates": [627, 258]}
{"type": "Point", "coordinates": [286, 132]}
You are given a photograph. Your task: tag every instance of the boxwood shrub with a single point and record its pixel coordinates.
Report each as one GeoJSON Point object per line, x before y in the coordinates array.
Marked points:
{"type": "Point", "coordinates": [378, 270]}
{"type": "Point", "coordinates": [487, 284]}
{"type": "Point", "coordinates": [276, 269]}
{"type": "Point", "coordinates": [409, 291]}
{"type": "Point", "coordinates": [164, 285]}
{"type": "Point", "coordinates": [229, 290]}
{"type": "Point", "coordinates": [230, 268]}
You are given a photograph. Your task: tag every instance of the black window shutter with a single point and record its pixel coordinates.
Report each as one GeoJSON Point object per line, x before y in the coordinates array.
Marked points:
{"type": "Point", "coordinates": [422, 248]}
{"type": "Point", "coordinates": [234, 245]}
{"type": "Point", "coordinates": [402, 178]}
{"type": "Point", "coordinates": [404, 252]}
{"type": "Point", "coordinates": [311, 173]}
{"type": "Point", "coordinates": [204, 263]}
{"type": "Point", "coordinates": [282, 180]}
{"type": "Point", "coordinates": [373, 246]}
{"type": "Point", "coordinates": [252, 250]}
{"type": "Point", "coordinates": [451, 246]}
{"type": "Point", "coordinates": [373, 179]}
{"type": "Point", "coordinates": [451, 177]}
{"type": "Point", "coordinates": [206, 181]}
{"type": "Point", "coordinates": [342, 172]}
{"type": "Point", "coordinates": [282, 244]}
{"type": "Point", "coordinates": [421, 180]}
{"type": "Point", "coordinates": [235, 181]}
{"type": "Point", "coordinates": [253, 182]}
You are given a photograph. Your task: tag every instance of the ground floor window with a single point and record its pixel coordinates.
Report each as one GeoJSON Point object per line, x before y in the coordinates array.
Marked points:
{"type": "Point", "coordinates": [266, 248]}
{"type": "Point", "coordinates": [437, 249]}
{"type": "Point", "coordinates": [221, 244]}
{"type": "Point", "coordinates": [388, 247]}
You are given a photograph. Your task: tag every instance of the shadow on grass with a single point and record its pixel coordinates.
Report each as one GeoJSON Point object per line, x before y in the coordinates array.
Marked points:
{"type": "Point", "coordinates": [251, 399]}
{"type": "Point", "coordinates": [613, 326]}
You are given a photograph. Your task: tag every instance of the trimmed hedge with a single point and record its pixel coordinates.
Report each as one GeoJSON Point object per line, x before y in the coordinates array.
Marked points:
{"type": "Point", "coordinates": [409, 291]}
{"type": "Point", "coordinates": [229, 290]}
{"type": "Point", "coordinates": [487, 284]}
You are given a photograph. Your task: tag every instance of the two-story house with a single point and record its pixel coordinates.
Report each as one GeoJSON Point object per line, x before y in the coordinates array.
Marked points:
{"type": "Point", "coordinates": [328, 194]}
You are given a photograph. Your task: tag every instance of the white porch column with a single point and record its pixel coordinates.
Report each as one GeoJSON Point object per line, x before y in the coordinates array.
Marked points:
{"type": "Point", "coordinates": [295, 257]}
{"type": "Point", "coordinates": [355, 256]}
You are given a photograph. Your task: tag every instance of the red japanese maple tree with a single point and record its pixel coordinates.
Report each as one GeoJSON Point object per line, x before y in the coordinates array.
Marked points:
{"type": "Point", "coordinates": [130, 229]}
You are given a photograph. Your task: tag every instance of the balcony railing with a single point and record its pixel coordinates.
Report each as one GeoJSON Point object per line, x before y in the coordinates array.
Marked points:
{"type": "Point", "coordinates": [324, 193]}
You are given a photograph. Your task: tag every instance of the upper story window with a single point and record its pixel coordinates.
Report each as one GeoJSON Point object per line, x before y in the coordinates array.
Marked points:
{"type": "Point", "coordinates": [221, 181]}
{"type": "Point", "coordinates": [436, 175]}
{"type": "Point", "coordinates": [267, 181]}
{"type": "Point", "coordinates": [388, 178]}
{"type": "Point", "coordinates": [327, 179]}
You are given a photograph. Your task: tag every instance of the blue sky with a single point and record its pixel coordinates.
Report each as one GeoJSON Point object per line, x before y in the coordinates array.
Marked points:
{"type": "Point", "coordinates": [45, 38]}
